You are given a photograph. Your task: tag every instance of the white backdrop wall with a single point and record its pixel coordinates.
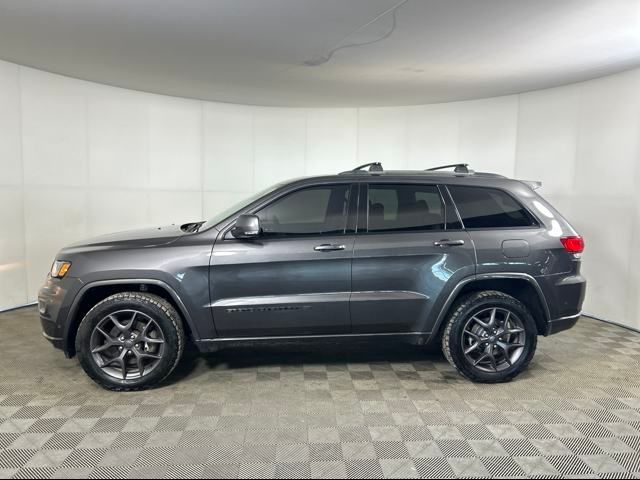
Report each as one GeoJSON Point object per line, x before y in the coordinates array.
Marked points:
{"type": "Point", "coordinates": [79, 159]}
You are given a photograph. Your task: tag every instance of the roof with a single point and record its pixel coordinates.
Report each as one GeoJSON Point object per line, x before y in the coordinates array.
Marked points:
{"type": "Point", "coordinates": [423, 173]}
{"type": "Point", "coordinates": [459, 170]}
{"type": "Point", "coordinates": [436, 175]}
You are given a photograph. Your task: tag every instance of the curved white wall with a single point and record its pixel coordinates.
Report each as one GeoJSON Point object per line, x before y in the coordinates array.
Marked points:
{"type": "Point", "coordinates": [78, 159]}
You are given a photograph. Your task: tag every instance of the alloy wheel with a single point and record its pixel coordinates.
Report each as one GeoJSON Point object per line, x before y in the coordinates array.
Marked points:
{"type": "Point", "coordinates": [493, 339]}
{"type": "Point", "coordinates": [127, 344]}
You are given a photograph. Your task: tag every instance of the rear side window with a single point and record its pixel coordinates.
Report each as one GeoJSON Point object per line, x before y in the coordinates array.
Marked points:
{"type": "Point", "coordinates": [489, 208]}
{"type": "Point", "coordinates": [404, 208]}
{"type": "Point", "coordinates": [311, 211]}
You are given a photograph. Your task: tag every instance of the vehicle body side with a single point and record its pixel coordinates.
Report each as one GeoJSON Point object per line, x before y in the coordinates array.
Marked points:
{"type": "Point", "coordinates": [217, 282]}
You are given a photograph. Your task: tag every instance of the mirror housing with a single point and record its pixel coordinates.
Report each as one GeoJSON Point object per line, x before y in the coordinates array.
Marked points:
{"type": "Point", "coordinates": [247, 226]}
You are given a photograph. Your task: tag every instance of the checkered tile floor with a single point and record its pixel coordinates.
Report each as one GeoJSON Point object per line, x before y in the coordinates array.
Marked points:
{"type": "Point", "coordinates": [297, 412]}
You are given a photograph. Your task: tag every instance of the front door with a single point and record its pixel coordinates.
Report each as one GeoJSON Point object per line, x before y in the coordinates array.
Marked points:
{"type": "Point", "coordinates": [409, 245]}
{"type": "Point", "coordinates": [295, 279]}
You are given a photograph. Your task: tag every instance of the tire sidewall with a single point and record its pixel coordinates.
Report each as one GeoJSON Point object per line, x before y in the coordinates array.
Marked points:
{"type": "Point", "coordinates": [480, 302]}
{"type": "Point", "coordinates": [125, 302]}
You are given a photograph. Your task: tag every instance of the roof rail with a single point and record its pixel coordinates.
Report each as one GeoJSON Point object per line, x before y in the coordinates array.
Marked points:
{"type": "Point", "coordinates": [374, 167]}
{"type": "Point", "coordinates": [457, 168]}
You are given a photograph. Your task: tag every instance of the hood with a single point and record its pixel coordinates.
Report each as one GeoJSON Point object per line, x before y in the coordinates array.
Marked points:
{"type": "Point", "coordinates": [146, 237]}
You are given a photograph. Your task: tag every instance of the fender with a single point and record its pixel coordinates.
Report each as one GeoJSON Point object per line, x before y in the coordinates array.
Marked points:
{"type": "Point", "coordinates": [489, 276]}
{"type": "Point", "coordinates": [149, 281]}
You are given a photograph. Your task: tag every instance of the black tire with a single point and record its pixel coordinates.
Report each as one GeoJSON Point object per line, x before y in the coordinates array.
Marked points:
{"type": "Point", "coordinates": [462, 313]}
{"type": "Point", "coordinates": [165, 318]}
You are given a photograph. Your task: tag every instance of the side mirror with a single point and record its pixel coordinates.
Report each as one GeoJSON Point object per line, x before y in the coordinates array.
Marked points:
{"type": "Point", "coordinates": [247, 226]}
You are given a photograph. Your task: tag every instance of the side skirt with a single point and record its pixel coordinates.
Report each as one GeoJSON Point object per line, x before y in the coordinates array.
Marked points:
{"type": "Point", "coordinates": [212, 345]}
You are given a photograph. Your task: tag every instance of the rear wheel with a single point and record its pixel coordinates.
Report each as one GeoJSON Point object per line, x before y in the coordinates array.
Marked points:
{"type": "Point", "coordinates": [490, 337]}
{"type": "Point", "coordinates": [130, 341]}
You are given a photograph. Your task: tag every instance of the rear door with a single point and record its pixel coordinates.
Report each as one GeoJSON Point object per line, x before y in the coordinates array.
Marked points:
{"type": "Point", "coordinates": [409, 245]}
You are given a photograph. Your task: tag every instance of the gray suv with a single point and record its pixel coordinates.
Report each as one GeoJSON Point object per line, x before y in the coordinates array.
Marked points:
{"type": "Point", "coordinates": [476, 261]}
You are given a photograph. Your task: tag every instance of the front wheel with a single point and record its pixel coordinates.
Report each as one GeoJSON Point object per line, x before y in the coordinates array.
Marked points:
{"type": "Point", "coordinates": [490, 337]}
{"type": "Point", "coordinates": [130, 341]}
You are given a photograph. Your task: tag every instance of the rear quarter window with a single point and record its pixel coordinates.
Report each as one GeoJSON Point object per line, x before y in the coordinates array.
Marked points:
{"type": "Point", "coordinates": [482, 207]}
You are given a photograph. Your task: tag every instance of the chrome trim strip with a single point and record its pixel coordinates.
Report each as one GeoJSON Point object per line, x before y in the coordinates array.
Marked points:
{"type": "Point", "coordinates": [318, 297]}
{"type": "Point", "coordinates": [50, 338]}
{"type": "Point", "coordinates": [281, 299]}
{"type": "Point", "coordinates": [305, 337]}
{"type": "Point", "coordinates": [387, 295]}
{"type": "Point", "coordinates": [568, 317]}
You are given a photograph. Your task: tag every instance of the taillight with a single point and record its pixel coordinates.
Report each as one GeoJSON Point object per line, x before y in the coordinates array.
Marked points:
{"type": "Point", "coordinates": [574, 244]}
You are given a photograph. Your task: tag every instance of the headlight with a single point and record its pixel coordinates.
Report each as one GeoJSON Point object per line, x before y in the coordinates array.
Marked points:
{"type": "Point", "coordinates": [60, 268]}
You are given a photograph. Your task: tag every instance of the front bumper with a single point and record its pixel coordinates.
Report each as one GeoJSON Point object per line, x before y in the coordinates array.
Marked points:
{"type": "Point", "coordinates": [53, 307]}
{"type": "Point", "coordinates": [57, 342]}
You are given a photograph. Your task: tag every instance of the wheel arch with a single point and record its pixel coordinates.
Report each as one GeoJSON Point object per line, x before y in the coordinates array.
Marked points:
{"type": "Point", "coordinates": [94, 292]}
{"type": "Point", "coordinates": [521, 286]}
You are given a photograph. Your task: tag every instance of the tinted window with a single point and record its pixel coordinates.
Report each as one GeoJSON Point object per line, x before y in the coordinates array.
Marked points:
{"type": "Point", "coordinates": [227, 212]}
{"type": "Point", "coordinates": [312, 211]}
{"type": "Point", "coordinates": [405, 207]}
{"type": "Point", "coordinates": [489, 208]}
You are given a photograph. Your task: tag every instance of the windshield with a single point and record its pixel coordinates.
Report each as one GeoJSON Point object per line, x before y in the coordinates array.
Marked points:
{"type": "Point", "coordinates": [227, 212]}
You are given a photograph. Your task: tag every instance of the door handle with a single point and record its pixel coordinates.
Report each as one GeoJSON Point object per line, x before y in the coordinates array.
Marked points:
{"type": "Point", "coordinates": [448, 243]}
{"type": "Point", "coordinates": [328, 247]}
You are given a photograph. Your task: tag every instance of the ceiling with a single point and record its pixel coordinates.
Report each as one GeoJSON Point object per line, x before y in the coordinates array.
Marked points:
{"type": "Point", "coordinates": [254, 51]}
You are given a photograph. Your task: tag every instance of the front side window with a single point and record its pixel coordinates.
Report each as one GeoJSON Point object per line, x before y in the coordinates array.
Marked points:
{"type": "Point", "coordinates": [482, 207]}
{"type": "Point", "coordinates": [405, 208]}
{"type": "Point", "coordinates": [311, 211]}
{"type": "Point", "coordinates": [227, 212]}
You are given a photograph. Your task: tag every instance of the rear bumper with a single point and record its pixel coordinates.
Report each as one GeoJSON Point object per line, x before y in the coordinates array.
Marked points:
{"type": "Point", "coordinates": [564, 295]}
{"type": "Point", "coordinates": [561, 324]}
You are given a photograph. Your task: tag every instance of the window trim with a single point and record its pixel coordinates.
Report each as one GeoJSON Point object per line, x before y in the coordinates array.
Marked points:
{"type": "Point", "coordinates": [364, 210]}
{"type": "Point", "coordinates": [353, 209]}
{"type": "Point", "coordinates": [450, 206]}
{"type": "Point", "coordinates": [538, 223]}
{"type": "Point", "coordinates": [225, 234]}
